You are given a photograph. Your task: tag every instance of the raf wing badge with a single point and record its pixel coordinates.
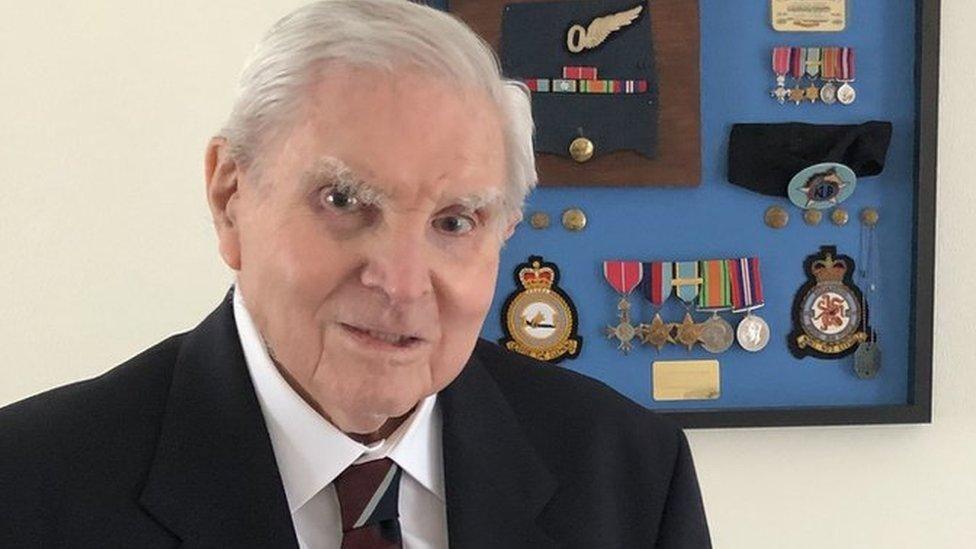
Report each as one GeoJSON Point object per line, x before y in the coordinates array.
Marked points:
{"type": "Point", "coordinates": [830, 316]}
{"type": "Point", "coordinates": [579, 38]}
{"type": "Point", "coordinates": [591, 68]}
{"type": "Point", "coordinates": [539, 320]}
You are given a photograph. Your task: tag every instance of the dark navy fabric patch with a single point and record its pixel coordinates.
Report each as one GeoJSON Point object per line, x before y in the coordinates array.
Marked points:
{"type": "Point", "coordinates": [533, 45]}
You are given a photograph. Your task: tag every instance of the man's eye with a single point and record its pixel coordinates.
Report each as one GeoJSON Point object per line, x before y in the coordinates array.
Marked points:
{"type": "Point", "coordinates": [339, 200]}
{"type": "Point", "coordinates": [454, 224]}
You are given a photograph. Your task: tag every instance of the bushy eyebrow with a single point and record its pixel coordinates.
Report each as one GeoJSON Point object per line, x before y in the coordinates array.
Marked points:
{"type": "Point", "coordinates": [334, 172]}
{"type": "Point", "coordinates": [331, 171]}
{"type": "Point", "coordinates": [489, 200]}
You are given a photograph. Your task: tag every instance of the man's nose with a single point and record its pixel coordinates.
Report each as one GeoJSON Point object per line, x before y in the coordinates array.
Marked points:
{"type": "Point", "coordinates": [398, 266]}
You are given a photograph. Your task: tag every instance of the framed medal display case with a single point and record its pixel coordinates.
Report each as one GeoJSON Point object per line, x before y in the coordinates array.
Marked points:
{"type": "Point", "coordinates": [789, 280]}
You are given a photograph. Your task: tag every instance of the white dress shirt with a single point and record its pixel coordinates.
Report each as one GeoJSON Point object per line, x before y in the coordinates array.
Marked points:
{"type": "Point", "coordinates": [311, 452]}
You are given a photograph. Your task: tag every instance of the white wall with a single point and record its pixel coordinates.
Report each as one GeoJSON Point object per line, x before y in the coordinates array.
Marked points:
{"type": "Point", "coordinates": [106, 247]}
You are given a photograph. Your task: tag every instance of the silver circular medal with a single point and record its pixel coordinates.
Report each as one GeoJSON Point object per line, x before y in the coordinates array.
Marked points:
{"type": "Point", "coordinates": [752, 333]}
{"type": "Point", "coordinates": [846, 94]}
{"type": "Point", "coordinates": [716, 336]}
{"type": "Point", "coordinates": [828, 93]}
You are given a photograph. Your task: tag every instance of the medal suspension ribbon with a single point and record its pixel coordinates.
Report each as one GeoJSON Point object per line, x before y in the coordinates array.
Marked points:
{"type": "Point", "coordinates": [846, 65]}
{"type": "Point", "coordinates": [659, 277]}
{"type": "Point", "coordinates": [829, 69]}
{"type": "Point", "coordinates": [813, 62]}
{"type": "Point", "coordinates": [797, 63]}
{"type": "Point", "coordinates": [715, 289]}
{"type": "Point", "coordinates": [623, 276]}
{"type": "Point", "coordinates": [745, 284]}
{"type": "Point", "coordinates": [687, 281]}
{"type": "Point", "coordinates": [781, 62]}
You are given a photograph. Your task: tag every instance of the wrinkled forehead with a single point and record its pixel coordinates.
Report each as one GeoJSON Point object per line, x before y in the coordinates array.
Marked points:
{"type": "Point", "coordinates": [400, 130]}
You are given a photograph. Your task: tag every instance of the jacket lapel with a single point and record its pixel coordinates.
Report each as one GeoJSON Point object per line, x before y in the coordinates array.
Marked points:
{"type": "Point", "coordinates": [214, 481]}
{"type": "Point", "coordinates": [495, 484]}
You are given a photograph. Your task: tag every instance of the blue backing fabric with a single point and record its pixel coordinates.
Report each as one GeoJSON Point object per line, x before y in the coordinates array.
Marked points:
{"type": "Point", "coordinates": [718, 219]}
{"type": "Point", "coordinates": [533, 45]}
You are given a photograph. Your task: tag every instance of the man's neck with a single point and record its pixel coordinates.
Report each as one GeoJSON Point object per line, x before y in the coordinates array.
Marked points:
{"type": "Point", "coordinates": [383, 432]}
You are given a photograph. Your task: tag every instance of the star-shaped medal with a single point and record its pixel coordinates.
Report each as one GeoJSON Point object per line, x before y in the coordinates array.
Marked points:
{"type": "Point", "coordinates": [797, 94]}
{"type": "Point", "coordinates": [812, 92]}
{"type": "Point", "coordinates": [780, 94]}
{"type": "Point", "coordinates": [688, 333]}
{"type": "Point", "coordinates": [657, 333]}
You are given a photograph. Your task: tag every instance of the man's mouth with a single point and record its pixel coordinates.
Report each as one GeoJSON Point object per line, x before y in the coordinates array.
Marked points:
{"type": "Point", "coordinates": [382, 338]}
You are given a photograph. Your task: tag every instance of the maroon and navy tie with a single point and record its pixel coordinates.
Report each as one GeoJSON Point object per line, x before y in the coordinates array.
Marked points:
{"type": "Point", "coordinates": [368, 497]}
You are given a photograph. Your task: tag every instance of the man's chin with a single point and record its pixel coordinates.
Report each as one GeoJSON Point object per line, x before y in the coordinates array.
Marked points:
{"type": "Point", "coordinates": [369, 421]}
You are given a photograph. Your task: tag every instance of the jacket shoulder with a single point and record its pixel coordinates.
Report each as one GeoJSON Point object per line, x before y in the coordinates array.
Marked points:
{"type": "Point", "coordinates": [99, 429]}
{"type": "Point", "coordinates": [126, 387]}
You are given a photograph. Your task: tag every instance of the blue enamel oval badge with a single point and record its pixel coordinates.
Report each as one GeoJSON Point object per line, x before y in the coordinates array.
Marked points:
{"type": "Point", "coordinates": [822, 186]}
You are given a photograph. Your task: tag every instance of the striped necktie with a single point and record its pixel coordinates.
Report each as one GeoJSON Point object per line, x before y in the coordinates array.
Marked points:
{"type": "Point", "coordinates": [368, 497]}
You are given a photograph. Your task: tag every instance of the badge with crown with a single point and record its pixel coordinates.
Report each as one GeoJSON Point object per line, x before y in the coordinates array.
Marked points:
{"type": "Point", "coordinates": [830, 316]}
{"type": "Point", "coordinates": [539, 320]}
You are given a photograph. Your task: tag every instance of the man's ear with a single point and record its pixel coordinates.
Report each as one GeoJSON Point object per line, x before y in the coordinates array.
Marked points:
{"type": "Point", "coordinates": [222, 174]}
{"type": "Point", "coordinates": [513, 222]}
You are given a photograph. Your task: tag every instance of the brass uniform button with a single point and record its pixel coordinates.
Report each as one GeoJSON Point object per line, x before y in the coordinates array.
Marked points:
{"type": "Point", "coordinates": [813, 217]}
{"type": "Point", "coordinates": [581, 149]}
{"type": "Point", "coordinates": [869, 216]}
{"type": "Point", "coordinates": [840, 217]}
{"type": "Point", "coordinates": [776, 217]}
{"type": "Point", "coordinates": [574, 219]}
{"type": "Point", "coordinates": [539, 220]}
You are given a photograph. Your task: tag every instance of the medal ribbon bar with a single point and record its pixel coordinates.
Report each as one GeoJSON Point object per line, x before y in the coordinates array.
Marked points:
{"type": "Point", "coordinates": [686, 280]}
{"type": "Point", "coordinates": [659, 287]}
{"type": "Point", "coordinates": [714, 295]}
{"type": "Point", "coordinates": [746, 284]}
{"type": "Point", "coordinates": [623, 276]}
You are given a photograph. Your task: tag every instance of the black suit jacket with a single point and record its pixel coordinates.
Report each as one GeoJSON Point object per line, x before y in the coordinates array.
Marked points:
{"type": "Point", "coordinates": [170, 449]}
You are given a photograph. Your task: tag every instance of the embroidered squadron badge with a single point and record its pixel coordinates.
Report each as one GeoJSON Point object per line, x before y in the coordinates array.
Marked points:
{"type": "Point", "coordinates": [540, 320]}
{"type": "Point", "coordinates": [830, 316]}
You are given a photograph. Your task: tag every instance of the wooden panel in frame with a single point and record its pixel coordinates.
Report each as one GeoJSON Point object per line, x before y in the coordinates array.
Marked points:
{"type": "Point", "coordinates": [675, 35]}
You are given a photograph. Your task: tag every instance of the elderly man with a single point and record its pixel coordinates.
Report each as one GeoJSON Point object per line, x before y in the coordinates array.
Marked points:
{"type": "Point", "coordinates": [372, 167]}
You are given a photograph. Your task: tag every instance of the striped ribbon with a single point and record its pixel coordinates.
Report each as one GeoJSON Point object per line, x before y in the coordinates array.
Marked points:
{"type": "Point", "coordinates": [715, 290]}
{"type": "Point", "coordinates": [580, 73]}
{"type": "Point", "coordinates": [746, 284]}
{"type": "Point", "coordinates": [813, 61]}
{"type": "Point", "coordinates": [659, 277]}
{"type": "Point", "coordinates": [686, 280]}
{"type": "Point", "coordinates": [846, 65]}
{"type": "Point", "coordinates": [623, 276]}
{"type": "Point", "coordinates": [830, 63]}
{"type": "Point", "coordinates": [566, 85]}
{"type": "Point", "coordinates": [796, 63]}
{"type": "Point", "coordinates": [781, 60]}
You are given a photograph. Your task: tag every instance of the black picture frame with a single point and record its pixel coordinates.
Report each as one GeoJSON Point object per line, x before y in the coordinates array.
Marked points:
{"type": "Point", "coordinates": [918, 408]}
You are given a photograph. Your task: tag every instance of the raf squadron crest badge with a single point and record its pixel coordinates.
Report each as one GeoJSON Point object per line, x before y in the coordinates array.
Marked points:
{"type": "Point", "coordinates": [539, 320]}
{"type": "Point", "coordinates": [830, 315]}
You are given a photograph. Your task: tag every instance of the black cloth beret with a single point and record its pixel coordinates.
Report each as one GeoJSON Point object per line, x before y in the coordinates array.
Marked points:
{"type": "Point", "coordinates": [764, 157]}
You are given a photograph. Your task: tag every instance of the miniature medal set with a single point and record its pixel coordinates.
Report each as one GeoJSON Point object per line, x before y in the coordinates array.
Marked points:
{"type": "Point", "coordinates": [821, 74]}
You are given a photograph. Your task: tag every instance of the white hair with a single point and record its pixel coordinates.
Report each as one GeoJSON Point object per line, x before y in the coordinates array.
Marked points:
{"type": "Point", "coordinates": [380, 34]}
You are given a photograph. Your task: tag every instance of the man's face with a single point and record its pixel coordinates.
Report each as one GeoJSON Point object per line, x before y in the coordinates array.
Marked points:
{"type": "Point", "coordinates": [369, 247]}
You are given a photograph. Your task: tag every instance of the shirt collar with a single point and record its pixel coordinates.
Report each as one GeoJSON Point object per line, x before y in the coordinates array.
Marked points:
{"type": "Point", "coordinates": [310, 451]}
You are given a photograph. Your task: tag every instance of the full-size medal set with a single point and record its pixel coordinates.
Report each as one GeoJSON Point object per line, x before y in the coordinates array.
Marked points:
{"type": "Point", "coordinates": [704, 286]}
